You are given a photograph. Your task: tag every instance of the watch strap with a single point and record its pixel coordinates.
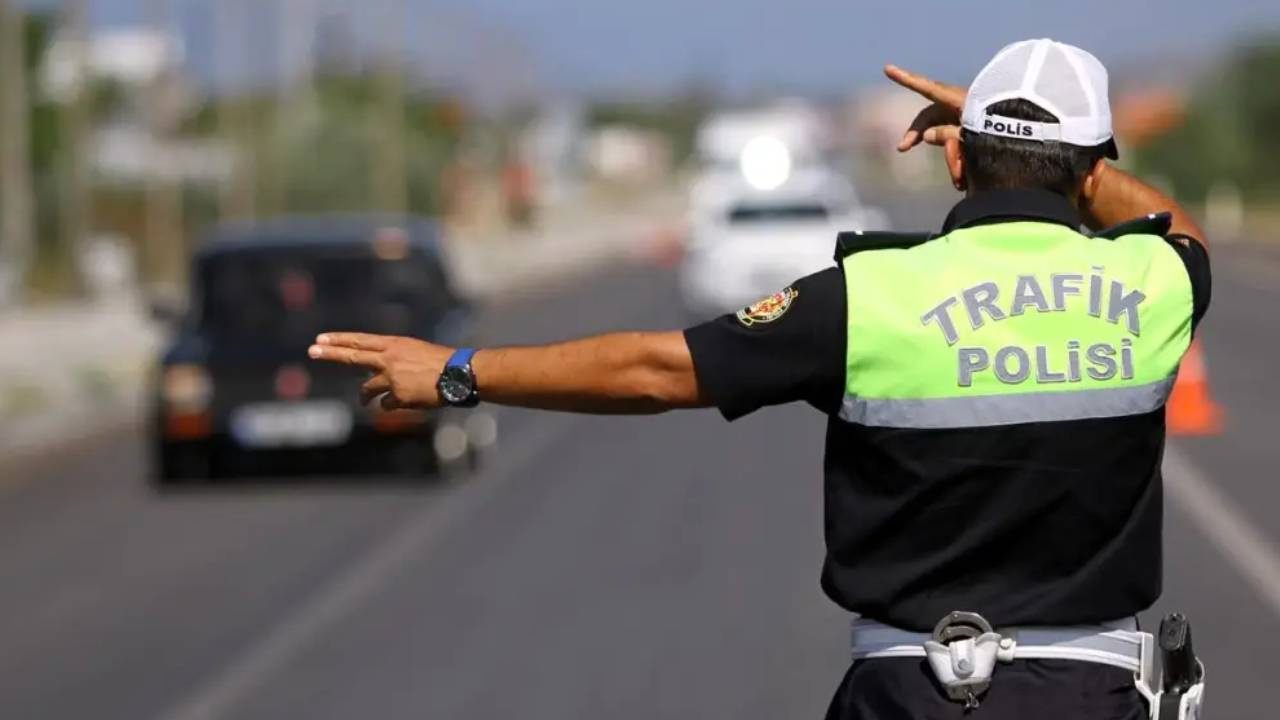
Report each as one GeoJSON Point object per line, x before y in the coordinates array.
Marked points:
{"type": "Point", "coordinates": [460, 357]}
{"type": "Point", "coordinates": [460, 361]}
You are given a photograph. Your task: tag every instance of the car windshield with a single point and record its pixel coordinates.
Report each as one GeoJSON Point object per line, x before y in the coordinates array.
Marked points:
{"type": "Point", "coordinates": [796, 212]}
{"type": "Point", "coordinates": [286, 294]}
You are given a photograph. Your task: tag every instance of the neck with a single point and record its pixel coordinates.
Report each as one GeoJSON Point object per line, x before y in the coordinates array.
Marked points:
{"type": "Point", "coordinates": [1074, 199]}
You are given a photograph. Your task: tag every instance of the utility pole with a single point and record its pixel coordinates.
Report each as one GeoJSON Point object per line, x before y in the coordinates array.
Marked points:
{"type": "Point", "coordinates": [164, 251]}
{"type": "Point", "coordinates": [17, 201]}
{"type": "Point", "coordinates": [234, 114]}
{"type": "Point", "coordinates": [390, 182]}
{"type": "Point", "coordinates": [76, 199]}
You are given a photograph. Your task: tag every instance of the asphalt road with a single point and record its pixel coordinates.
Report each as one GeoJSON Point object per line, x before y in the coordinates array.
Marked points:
{"type": "Point", "coordinates": [661, 567]}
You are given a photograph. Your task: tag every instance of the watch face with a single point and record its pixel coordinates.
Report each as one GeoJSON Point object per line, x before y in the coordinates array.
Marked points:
{"type": "Point", "coordinates": [455, 384]}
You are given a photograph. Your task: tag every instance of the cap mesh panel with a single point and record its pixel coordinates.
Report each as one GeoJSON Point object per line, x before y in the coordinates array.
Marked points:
{"type": "Point", "coordinates": [1005, 75]}
{"type": "Point", "coordinates": [1059, 84]}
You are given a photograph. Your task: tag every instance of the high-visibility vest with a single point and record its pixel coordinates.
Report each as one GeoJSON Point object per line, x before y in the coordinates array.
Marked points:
{"type": "Point", "coordinates": [1013, 323]}
{"type": "Point", "coordinates": [999, 443]}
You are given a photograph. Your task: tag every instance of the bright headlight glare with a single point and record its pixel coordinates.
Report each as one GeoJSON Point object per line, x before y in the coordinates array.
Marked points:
{"type": "Point", "coordinates": [187, 388]}
{"type": "Point", "coordinates": [765, 162]}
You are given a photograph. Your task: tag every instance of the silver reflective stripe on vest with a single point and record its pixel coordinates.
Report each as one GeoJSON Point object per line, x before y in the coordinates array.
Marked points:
{"type": "Point", "coordinates": [989, 410]}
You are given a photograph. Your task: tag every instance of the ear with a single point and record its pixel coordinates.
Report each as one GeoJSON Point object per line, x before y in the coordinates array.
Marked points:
{"type": "Point", "coordinates": [1089, 188]}
{"type": "Point", "coordinates": [955, 164]}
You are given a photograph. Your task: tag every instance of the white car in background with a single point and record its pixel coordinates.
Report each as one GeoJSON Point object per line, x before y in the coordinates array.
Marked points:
{"type": "Point", "coordinates": [751, 233]}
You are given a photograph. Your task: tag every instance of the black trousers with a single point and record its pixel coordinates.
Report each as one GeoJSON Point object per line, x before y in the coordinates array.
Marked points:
{"type": "Point", "coordinates": [905, 689]}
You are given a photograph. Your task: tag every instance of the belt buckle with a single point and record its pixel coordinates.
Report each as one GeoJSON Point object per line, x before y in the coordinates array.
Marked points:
{"type": "Point", "coordinates": [962, 651]}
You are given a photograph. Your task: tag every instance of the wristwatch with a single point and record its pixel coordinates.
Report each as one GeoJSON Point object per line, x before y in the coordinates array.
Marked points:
{"type": "Point", "coordinates": [457, 383]}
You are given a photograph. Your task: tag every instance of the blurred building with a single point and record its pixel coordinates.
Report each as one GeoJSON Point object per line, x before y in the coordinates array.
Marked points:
{"type": "Point", "coordinates": [143, 74]}
{"type": "Point", "coordinates": [628, 154]}
{"type": "Point", "coordinates": [553, 145]}
{"type": "Point", "coordinates": [132, 57]}
{"type": "Point", "coordinates": [872, 125]}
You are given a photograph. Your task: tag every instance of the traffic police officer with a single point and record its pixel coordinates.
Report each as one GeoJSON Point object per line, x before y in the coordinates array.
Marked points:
{"type": "Point", "coordinates": [996, 400]}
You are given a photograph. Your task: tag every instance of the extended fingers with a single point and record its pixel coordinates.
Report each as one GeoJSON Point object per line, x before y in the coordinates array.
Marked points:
{"type": "Point", "coordinates": [358, 341]}
{"type": "Point", "coordinates": [916, 83]}
{"type": "Point", "coordinates": [941, 134]}
{"type": "Point", "coordinates": [934, 116]}
{"type": "Point", "coordinates": [909, 140]}
{"type": "Point", "coordinates": [936, 135]}
{"type": "Point", "coordinates": [951, 95]}
{"type": "Point", "coordinates": [348, 356]}
{"type": "Point", "coordinates": [915, 133]}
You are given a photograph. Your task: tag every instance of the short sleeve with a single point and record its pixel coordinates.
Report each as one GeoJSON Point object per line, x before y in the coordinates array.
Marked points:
{"type": "Point", "coordinates": [786, 347]}
{"type": "Point", "coordinates": [1196, 259]}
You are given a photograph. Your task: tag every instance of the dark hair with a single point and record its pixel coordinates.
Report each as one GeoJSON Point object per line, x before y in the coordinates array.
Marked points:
{"type": "Point", "coordinates": [993, 162]}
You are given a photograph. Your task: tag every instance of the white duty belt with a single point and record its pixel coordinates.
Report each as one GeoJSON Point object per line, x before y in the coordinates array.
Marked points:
{"type": "Point", "coordinates": [1113, 643]}
{"type": "Point", "coordinates": [964, 648]}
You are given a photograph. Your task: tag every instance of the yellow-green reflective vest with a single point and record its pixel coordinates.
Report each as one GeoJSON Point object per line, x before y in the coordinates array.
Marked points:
{"type": "Point", "coordinates": [1013, 323]}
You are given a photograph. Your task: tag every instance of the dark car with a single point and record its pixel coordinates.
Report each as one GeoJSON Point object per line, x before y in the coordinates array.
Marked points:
{"type": "Point", "coordinates": [235, 393]}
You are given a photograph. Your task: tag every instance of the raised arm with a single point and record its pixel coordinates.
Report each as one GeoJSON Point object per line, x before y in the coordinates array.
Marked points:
{"type": "Point", "coordinates": [1118, 196]}
{"type": "Point", "coordinates": [1115, 196]}
{"type": "Point", "coordinates": [621, 373]}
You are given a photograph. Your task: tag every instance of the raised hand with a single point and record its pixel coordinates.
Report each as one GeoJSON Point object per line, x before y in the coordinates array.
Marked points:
{"type": "Point", "coordinates": [940, 120]}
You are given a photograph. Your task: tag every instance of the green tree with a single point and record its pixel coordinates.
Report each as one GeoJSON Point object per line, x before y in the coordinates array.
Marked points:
{"type": "Point", "coordinates": [1230, 129]}
{"type": "Point", "coordinates": [321, 151]}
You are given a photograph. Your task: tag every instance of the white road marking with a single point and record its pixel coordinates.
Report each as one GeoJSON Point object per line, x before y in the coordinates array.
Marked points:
{"type": "Point", "coordinates": [350, 589]}
{"type": "Point", "coordinates": [1221, 522]}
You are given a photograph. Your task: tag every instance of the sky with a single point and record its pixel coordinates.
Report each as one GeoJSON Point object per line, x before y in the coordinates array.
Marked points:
{"type": "Point", "coordinates": [761, 46]}
{"type": "Point", "coordinates": [832, 44]}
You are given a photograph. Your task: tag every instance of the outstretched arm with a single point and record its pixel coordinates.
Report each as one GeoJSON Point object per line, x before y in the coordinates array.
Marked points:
{"type": "Point", "coordinates": [789, 346]}
{"type": "Point", "coordinates": [621, 373]}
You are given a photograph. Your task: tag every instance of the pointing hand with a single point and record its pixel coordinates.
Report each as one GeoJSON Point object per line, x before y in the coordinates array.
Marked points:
{"type": "Point", "coordinates": [938, 122]}
{"type": "Point", "coordinates": [405, 369]}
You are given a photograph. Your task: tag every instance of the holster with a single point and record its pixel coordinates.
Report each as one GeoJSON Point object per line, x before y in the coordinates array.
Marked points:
{"type": "Point", "coordinates": [1181, 692]}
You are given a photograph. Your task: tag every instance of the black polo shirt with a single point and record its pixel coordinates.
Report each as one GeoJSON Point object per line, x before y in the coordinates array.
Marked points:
{"type": "Point", "coordinates": [1037, 523]}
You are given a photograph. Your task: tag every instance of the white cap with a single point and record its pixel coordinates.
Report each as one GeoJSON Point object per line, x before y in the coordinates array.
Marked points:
{"type": "Point", "coordinates": [1061, 78]}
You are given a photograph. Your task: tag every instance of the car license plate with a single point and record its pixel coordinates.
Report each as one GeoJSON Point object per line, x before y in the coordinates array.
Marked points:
{"type": "Point", "coordinates": [302, 424]}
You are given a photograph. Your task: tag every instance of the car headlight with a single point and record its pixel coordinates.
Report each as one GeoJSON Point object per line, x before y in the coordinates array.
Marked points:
{"type": "Point", "coordinates": [765, 163]}
{"type": "Point", "coordinates": [187, 388]}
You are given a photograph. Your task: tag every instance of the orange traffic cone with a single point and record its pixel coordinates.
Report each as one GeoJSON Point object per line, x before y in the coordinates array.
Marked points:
{"type": "Point", "coordinates": [1191, 410]}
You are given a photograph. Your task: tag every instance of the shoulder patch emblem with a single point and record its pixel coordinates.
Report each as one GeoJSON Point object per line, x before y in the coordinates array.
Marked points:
{"type": "Point", "coordinates": [768, 309]}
